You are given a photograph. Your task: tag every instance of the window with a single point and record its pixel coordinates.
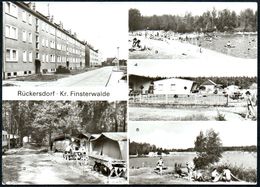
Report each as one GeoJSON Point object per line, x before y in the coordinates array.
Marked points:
{"type": "Point", "coordinates": [30, 56]}
{"type": "Point", "coordinates": [43, 42]}
{"type": "Point", "coordinates": [30, 37]}
{"type": "Point", "coordinates": [37, 55]}
{"type": "Point", "coordinates": [58, 58]}
{"type": "Point", "coordinates": [11, 9]}
{"type": "Point", "coordinates": [37, 21]}
{"type": "Point", "coordinates": [11, 32]}
{"type": "Point", "coordinates": [24, 36]}
{"type": "Point", "coordinates": [173, 87]}
{"type": "Point", "coordinates": [59, 46]}
{"type": "Point", "coordinates": [37, 45]}
{"type": "Point", "coordinates": [30, 19]}
{"type": "Point", "coordinates": [24, 56]}
{"type": "Point", "coordinates": [52, 58]}
{"type": "Point", "coordinates": [24, 16]}
{"type": "Point", "coordinates": [160, 87]}
{"type": "Point", "coordinates": [11, 55]}
{"type": "Point", "coordinates": [52, 44]}
{"type": "Point", "coordinates": [37, 38]}
{"type": "Point", "coordinates": [46, 58]}
{"type": "Point", "coordinates": [46, 43]}
{"type": "Point", "coordinates": [43, 57]}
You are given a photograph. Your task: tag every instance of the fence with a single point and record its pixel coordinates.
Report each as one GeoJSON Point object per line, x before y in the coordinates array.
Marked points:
{"type": "Point", "coordinates": [192, 99]}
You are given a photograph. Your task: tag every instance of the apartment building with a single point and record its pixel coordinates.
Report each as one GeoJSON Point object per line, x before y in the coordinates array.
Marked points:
{"type": "Point", "coordinates": [33, 43]}
{"type": "Point", "coordinates": [93, 57]}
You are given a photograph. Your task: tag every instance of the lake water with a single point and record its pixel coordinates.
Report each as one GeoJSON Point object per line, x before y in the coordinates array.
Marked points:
{"type": "Point", "coordinates": [245, 46]}
{"type": "Point", "coordinates": [235, 158]}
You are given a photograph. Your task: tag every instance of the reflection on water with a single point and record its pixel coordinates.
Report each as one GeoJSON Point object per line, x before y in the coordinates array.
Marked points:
{"type": "Point", "coordinates": [235, 158]}
{"type": "Point", "coordinates": [243, 46]}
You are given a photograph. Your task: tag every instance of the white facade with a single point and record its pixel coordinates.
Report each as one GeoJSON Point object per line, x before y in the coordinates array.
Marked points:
{"type": "Point", "coordinates": [173, 86]}
{"type": "Point", "coordinates": [94, 58]}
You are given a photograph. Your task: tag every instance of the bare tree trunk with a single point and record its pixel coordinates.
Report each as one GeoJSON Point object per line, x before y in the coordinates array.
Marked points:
{"type": "Point", "coordinates": [50, 143]}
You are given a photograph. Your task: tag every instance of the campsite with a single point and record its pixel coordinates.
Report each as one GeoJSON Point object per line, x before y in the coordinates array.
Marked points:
{"type": "Point", "coordinates": [31, 164]}
{"type": "Point", "coordinates": [191, 98]}
{"type": "Point", "coordinates": [68, 142]}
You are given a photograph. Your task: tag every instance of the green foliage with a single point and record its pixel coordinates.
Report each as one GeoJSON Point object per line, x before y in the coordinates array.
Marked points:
{"type": "Point", "coordinates": [209, 21]}
{"type": "Point", "coordinates": [145, 148]}
{"type": "Point", "coordinates": [243, 82]}
{"type": "Point", "coordinates": [208, 148]}
{"type": "Point", "coordinates": [134, 19]}
{"type": "Point", "coordinates": [61, 70]}
{"type": "Point", "coordinates": [240, 172]}
{"type": "Point", "coordinates": [42, 119]}
{"type": "Point", "coordinates": [220, 117]}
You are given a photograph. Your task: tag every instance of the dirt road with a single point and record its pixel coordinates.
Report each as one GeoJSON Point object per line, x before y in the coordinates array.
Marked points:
{"type": "Point", "coordinates": [46, 168]}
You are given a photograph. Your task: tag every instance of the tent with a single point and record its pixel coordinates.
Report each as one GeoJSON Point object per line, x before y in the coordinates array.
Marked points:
{"type": "Point", "coordinates": [85, 139]}
{"type": "Point", "coordinates": [110, 144]}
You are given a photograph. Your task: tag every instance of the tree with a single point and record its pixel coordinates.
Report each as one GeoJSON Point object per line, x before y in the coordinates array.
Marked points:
{"type": "Point", "coordinates": [208, 149]}
{"type": "Point", "coordinates": [48, 118]}
{"type": "Point", "coordinates": [134, 19]}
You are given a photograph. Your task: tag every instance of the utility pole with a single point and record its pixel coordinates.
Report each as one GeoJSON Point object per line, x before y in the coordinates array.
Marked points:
{"type": "Point", "coordinates": [118, 68]}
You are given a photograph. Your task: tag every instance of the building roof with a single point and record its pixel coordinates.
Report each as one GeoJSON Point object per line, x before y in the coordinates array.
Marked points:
{"type": "Point", "coordinates": [61, 137]}
{"type": "Point", "coordinates": [26, 6]}
{"type": "Point", "coordinates": [116, 136]}
{"type": "Point", "coordinates": [89, 136]}
{"type": "Point", "coordinates": [208, 83]}
{"type": "Point", "coordinates": [177, 79]}
{"type": "Point", "coordinates": [110, 60]}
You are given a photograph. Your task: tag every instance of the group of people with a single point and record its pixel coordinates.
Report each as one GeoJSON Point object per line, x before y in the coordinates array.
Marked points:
{"type": "Point", "coordinates": [226, 174]}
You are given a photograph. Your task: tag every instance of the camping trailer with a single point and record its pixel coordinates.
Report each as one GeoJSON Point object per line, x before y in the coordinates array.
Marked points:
{"type": "Point", "coordinates": [108, 152]}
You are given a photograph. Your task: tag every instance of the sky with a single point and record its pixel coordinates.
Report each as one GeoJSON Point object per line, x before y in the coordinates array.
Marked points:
{"type": "Point", "coordinates": [193, 67]}
{"type": "Point", "coordinates": [196, 8]}
{"type": "Point", "coordinates": [103, 25]}
{"type": "Point", "coordinates": [182, 135]}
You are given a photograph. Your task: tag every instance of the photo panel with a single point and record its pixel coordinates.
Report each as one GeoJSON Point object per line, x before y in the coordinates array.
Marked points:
{"type": "Point", "coordinates": [168, 152]}
{"type": "Point", "coordinates": [64, 142]}
{"type": "Point", "coordinates": [192, 90]}
{"type": "Point", "coordinates": [192, 30]}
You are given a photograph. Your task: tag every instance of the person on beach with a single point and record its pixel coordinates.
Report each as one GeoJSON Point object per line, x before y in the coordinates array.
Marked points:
{"type": "Point", "coordinates": [160, 165]}
{"type": "Point", "coordinates": [200, 47]}
{"type": "Point", "coordinates": [250, 108]}
{"type": "Point", "coordinates": [190, 170]}
{"type": "Point", "coordinates": [215, 176]}
{"type": "Point", "coordinates": [226, 175]}
{"type": "Point", "coordinates": [228, 44]}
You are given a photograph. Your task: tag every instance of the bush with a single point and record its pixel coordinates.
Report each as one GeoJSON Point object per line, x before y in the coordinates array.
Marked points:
{"type": "Point", "coordinates": [244, 174]}
{"type": "Point", "coordinates": [61, 70]}
{"type": "Point", "coordinates": [220, 117]}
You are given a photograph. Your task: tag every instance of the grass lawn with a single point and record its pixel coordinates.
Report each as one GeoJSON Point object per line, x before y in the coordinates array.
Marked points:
{"type": "Point", "coordinates": [51, 77]}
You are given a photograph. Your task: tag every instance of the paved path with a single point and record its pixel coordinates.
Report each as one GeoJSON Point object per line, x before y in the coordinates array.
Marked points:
{"type": "Point", "coordinates": [99, 77]}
